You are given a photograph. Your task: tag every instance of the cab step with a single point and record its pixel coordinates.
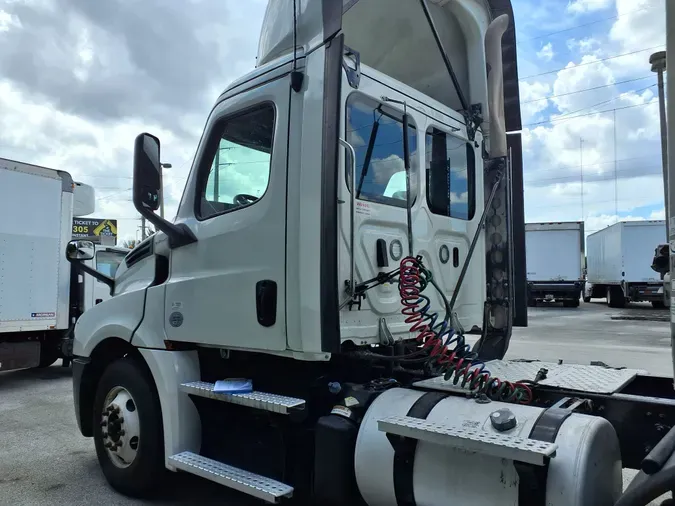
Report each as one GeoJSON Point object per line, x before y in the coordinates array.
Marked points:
{"type": "Point", "coordinates": [246, 482]}
{"type": "Point", "coordinates": [504, 446]}
{"type": "Point", "coordinates": [257, 400]}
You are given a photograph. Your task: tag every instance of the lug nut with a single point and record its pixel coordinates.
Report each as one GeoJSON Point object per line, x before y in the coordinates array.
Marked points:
{"type": "Point", "coordinates": [104, 423]}
{"type": "Point", "coordinates": [117, 410]}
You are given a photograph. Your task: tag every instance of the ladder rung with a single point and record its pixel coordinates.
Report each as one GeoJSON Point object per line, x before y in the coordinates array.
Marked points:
{"type": "Point", "coordinates": [504, 446]}
{"type": "Point", "coordinates": [258, 400]}
{"type": "Point", "coordinates": [249, 483]}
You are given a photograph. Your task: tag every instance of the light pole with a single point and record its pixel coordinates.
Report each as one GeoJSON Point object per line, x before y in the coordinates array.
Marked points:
{"type": "Point", "coordinates": [162, 166]}
{"type": "Point", "coordinates": [658, 62]}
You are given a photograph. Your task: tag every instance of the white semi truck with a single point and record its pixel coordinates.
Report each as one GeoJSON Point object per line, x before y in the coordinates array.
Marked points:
{"type": "Point", "coordinates": [619, 263]}
{"type": "Point", "coordinates": [40, 295]}
{"type": "Point", "coordinates": [555, 262]}
{"type": "Point", "coordinates": [348, 214]}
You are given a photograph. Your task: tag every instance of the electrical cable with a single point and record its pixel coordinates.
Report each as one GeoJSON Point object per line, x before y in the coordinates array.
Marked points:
{"type": "Point", "coordinates": [449, 354]}
{"type": "Point", "coordinates": [593, 62]}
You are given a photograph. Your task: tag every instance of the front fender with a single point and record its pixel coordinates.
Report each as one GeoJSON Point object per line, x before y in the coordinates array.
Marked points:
{"type": "Point", "coordinates": [116, 317]}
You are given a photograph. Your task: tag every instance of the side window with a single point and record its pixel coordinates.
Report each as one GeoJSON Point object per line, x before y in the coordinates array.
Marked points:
{"type": "Point", "coordinates": [107, 262]}
{"type": "Point", "coordinates": [451, 175]}
{"type": "Point", "coordinates": [240, 165]}
{"type": "Point", "coordinates": [376, 133]}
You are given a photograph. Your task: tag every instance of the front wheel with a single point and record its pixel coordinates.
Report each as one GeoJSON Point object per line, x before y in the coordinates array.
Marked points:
{"type": "Point", "coordinates": [587, 299]}
{"type": "Point", "coordinates": [658, 304]}
{"type": "Point", "coordinates": [128, 429]}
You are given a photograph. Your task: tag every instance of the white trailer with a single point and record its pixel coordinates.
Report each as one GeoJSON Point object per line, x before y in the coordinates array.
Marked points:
{"type": "Point", "coordinates": [555, 262]}
{"type": "Point", "coordinates": [619, 263]}
{"type": "Point", "coordinates": [40, 295]}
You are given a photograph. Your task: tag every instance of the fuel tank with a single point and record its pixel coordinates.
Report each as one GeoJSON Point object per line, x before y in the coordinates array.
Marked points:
{"type": "Point", "coordinates": [585, 469]}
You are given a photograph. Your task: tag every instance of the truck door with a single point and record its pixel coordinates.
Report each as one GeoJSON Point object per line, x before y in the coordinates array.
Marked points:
{"type": "Point", "coordinates": [228, 288]}
{"type": "Point", "coordinates": [445, 186]}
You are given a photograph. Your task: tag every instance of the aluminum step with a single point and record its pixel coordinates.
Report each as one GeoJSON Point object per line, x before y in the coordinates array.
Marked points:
{"type": "Point", "coordinates": [251, 484]}
{"type": "Point", "coordinates": [493, 444]}
{"type": "Point", "coordinates": [257, 400]}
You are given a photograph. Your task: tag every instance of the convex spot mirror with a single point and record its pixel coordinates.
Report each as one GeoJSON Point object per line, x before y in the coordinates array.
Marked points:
{"type": "Point", "coordinates": [146, 172]}
{"type": "Point", "coordinates": [80, 250]}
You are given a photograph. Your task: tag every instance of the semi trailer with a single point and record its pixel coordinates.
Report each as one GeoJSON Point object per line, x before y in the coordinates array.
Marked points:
{"type": "Point", "coordinates": [555, 262]}
{"type": "Point", "coordinates": [619, 263]}
{"type": "Point", "coordinates": [41, 296]}
{"type": "Point", "coordinates": [299, 329]}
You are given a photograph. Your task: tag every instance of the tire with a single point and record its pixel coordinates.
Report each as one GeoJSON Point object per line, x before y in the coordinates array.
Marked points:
{"type": "Point", "coordinates": [658, 304]}
{"type": "Point", "coordinates": [587, 300]}
{"type": "Point", "coordinates": [615, 297]}
{"type": "Point", "coordinates": [139, 471]}
{"type": "Point", "coordinates": [531, 302]}
{"type": "Point", "coordinates": [571, 303]}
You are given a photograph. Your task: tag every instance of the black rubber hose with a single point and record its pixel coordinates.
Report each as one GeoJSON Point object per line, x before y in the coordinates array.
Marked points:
{"type": "Point", "coordinates": [657, 458]}
{"type": "Point", "coordinates": [646, 488]}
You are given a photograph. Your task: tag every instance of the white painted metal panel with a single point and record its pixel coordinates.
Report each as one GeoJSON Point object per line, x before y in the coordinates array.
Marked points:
{"type": "Point", "coordinates": [554, 252]}
{"type": "Point", "coordinates": [605, 264]}
{"type": "Point", "coordinates": [639, 241]}
{"type": "Point", "coordinates": [624, 252]}
{"type": "Point", "coordinates": [35, 223]}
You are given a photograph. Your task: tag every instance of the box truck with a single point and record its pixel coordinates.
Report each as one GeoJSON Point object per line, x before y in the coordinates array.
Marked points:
{"type": "Point", "coordinates": [555, 262]}
{"type": "Point", "coordinates": [40, 295]}
{"type": "Point", "coordinates": [619, 263]}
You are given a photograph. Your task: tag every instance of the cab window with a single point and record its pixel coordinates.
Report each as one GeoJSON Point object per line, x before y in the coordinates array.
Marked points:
{"type": "Point", "coordinates": [107, 262]}
{"type": "Point", "coordinates": [451, 175]}
{"type": "Point", "coordinates": [239, 170]}
{"type": "Point", "coordinates": [376, 133]}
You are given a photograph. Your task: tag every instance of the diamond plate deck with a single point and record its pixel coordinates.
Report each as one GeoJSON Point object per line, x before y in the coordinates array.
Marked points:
{"type": "Point", "coordinates": [473, 440]}
{"type": "Point", "coordinates": [258, 400]}
{"type": "Point", "coordinates": [252, 484]}
{"type": "Point", "coordinates": [582, 378]}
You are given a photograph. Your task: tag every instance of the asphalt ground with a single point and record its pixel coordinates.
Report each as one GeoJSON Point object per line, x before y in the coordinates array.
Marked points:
{"type": "Point", "coordinates": [45, 461]}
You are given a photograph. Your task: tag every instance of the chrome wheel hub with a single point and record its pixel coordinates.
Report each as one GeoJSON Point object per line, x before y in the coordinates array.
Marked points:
{"type": "Point", "coordinates": [120, 426]}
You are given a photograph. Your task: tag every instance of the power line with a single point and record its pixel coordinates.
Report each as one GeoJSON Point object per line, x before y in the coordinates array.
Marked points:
{"type": "Point", "coordinates": [661, 46]}
{"type": "Point", "coordinates": [605, 101]}
{"type": "Point", "coordinates": [594, 177]}
{"type": "Point", "coordinates": [589, 114]}
{"type": "Point", "coordinates": [588, 89]}
{"type": "Point", "coordinates": [575, 27]}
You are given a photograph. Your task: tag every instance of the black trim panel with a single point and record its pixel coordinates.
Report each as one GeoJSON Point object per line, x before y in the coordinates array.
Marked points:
{"type": "Point", "coordinates": [332, 88]}
{"type": "Point", "coordinates": [405, 448]}
{"type": "Point", "coordinates": [83, 420]}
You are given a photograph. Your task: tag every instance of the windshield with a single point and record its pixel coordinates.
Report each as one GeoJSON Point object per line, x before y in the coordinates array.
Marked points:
{"type": "Point", "coordinates": [107, 262]}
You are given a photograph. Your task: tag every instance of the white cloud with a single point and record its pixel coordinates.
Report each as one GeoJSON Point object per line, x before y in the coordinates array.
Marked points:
{"type": "Point", "coordinates": [583, 6]}
{"type": "Point", "coordinates": [533, 99]}
{"type": "Point", "coordinates": [546, 53]}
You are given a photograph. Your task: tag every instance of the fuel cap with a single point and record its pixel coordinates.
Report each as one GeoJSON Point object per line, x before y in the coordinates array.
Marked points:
{"type": "Point", "coordinates": [503, 419]}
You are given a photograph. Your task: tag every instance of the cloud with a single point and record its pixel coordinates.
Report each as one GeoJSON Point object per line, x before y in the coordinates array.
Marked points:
{"type": "Point", "coordinates": [584, 6]}
{"type": "Point", "coordinates": [81, 79]}
{"type": "Point", "coordinates": [546, 53]}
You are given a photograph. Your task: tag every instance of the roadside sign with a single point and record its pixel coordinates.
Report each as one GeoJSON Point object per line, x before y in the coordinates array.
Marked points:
{"type": "Point", "coordinates": [94, 229]}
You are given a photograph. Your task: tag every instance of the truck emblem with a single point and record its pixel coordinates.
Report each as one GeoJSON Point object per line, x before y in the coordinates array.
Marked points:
{"type": "Point", "coordinates": [176, 319]}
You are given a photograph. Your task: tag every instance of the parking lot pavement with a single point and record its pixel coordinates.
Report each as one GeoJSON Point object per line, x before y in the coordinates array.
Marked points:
{"type": "Point", "coordinates": [45, 461]}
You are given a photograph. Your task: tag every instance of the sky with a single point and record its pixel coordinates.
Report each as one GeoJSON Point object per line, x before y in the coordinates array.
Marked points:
{"type": "Point", "coordinates": [80, 79]}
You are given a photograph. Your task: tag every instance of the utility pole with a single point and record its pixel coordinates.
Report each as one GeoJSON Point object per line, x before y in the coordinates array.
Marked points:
{"type": "Point", "coordinates": [581, 172]}
{"type": "Point", "coordinates": [658, 62]}
{"type": "Point", "coordinates": [143, 236]}
{"type": "Point", "coordinates": [162, 166]}
{"type": "Point", "coordinates": [669, 179]}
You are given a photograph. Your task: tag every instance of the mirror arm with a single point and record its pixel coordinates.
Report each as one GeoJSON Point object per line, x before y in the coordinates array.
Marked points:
{"type": "Point", "coordinates": [93, 272]}
{"type": "Point", "coordinates": [179, 234]}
